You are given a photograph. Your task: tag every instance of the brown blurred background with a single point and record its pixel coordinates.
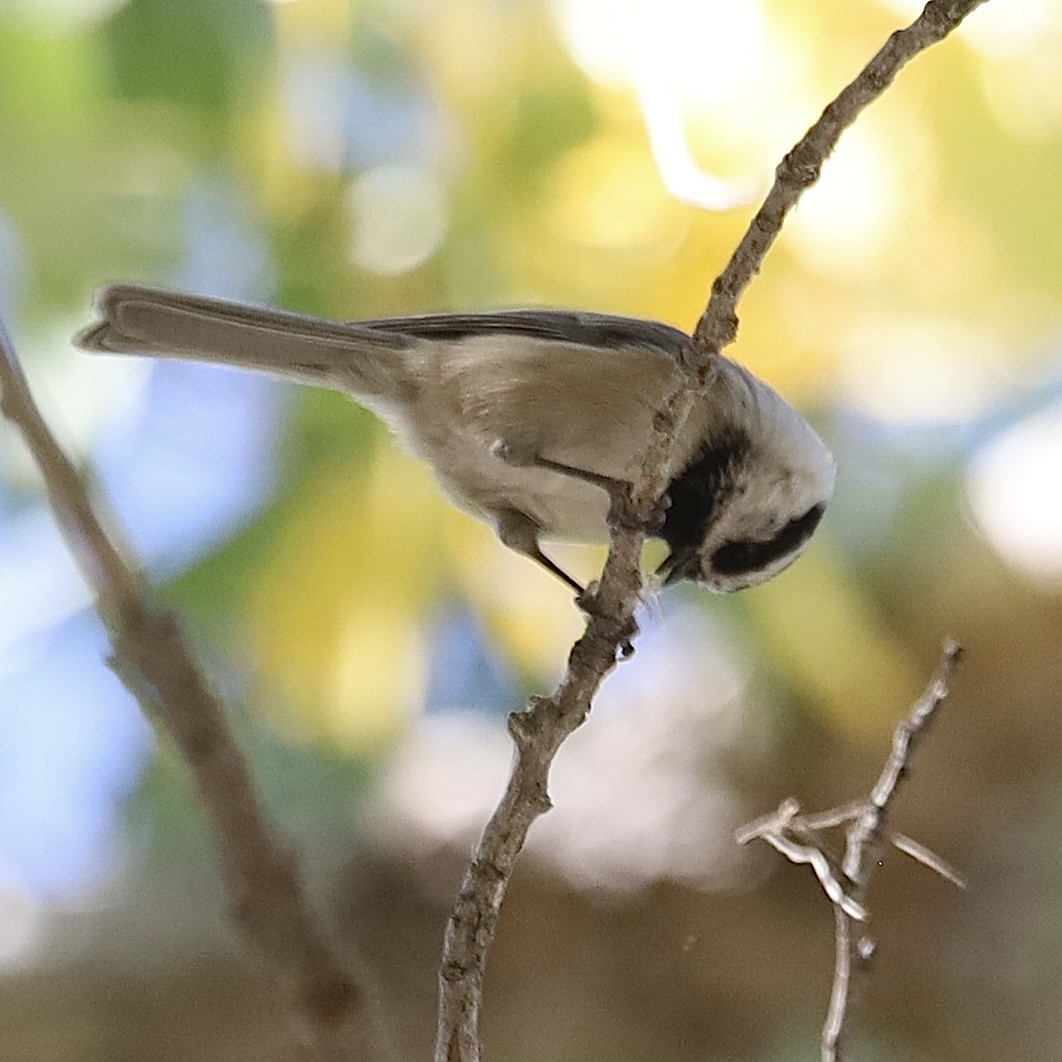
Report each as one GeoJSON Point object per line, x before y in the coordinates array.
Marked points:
{"type": "Point", "coordinates": [362, 159]}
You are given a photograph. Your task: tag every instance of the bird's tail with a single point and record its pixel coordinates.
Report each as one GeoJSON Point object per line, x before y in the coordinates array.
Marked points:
{"type": "Point", "coordinates": [154, 321]}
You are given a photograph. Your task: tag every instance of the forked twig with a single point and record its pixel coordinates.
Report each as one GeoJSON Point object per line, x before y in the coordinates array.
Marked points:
{"type": "Point", "coordinates": [798, 838]}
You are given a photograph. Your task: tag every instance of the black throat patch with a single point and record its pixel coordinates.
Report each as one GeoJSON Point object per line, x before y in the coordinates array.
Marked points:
{"type": "Point", "coordinates": [698, 490]}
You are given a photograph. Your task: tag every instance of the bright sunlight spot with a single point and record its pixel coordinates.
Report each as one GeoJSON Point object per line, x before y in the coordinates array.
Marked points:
{"type": "Point", "coordinates": [1015, 489]}
{"type": "Point", "coordinates": [1011, 30]}
{"type": "Point", "coordinates": [849, 217]}
{"type": "Point", "coordinates": [399, 217]}
{"type": "Point", "coordinates": [672, 56]}
{"type": "Point", "coordinates": [920, 370]}
{"type": "Point", "coordinates": [635, 803]}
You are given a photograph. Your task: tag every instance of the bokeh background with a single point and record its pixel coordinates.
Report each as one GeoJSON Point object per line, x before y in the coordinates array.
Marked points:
{"type": "Point", "coordinates": [393, 156]}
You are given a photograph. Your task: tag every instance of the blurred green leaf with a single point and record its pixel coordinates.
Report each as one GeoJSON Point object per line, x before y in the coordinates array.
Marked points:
{"type": "Point", "coordinates": [198, 53]}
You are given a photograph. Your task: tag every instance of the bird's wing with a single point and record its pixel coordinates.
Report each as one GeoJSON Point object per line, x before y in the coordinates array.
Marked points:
{"type": "Point", "coordinates": [603, 331]}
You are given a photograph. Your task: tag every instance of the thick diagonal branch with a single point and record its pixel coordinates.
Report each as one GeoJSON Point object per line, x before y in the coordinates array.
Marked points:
{"type": "Point", "coordinates": [549, 721]}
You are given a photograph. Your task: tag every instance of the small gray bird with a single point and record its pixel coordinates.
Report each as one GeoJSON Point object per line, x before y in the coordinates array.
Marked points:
{"type": "Point", "coordinates": [529, 416]}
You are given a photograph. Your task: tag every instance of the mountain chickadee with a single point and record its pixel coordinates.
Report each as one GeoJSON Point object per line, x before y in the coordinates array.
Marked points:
{"type": "Point", "coordinates": [525, 415]}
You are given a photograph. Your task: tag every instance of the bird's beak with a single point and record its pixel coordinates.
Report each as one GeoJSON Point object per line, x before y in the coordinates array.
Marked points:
{"type": "Point", "coordinates": [678, 565]}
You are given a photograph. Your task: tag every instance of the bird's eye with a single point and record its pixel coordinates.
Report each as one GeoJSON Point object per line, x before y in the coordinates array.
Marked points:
{"type": "Point", "coordinates": [749, 555]}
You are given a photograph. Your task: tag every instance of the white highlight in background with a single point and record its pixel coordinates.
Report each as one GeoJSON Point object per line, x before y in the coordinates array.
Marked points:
{"type": "Point", "coordinates": [920, 370]}
{"type": "Point", "coordinates": [713, 63]}
{"type": "Point", "coordinates": [1015, 490]}
{"type": "Point", "coordinates": [399, 217]}
{"type": "Point", "coordinates": [848, 218]}
{"type": "Point", "coordinates": [640, 795]}
{"type": "Point", "coordinates": [21, 924]}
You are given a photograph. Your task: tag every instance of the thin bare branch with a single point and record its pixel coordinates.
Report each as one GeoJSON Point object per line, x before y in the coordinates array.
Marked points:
{"type": "Point", "coordinates": [799, 838]}
{"type": "Point", "coordinates": [329, 1007]}
{"type": "Point", "coordinates": [928, 858]}
{"type": "Point", "coordinates": [863, 841]}
{"type": "Point", "coordinates": [778, 821]}
{"type": "Point", "coordinates": [549, 721]}
{"type": "Point", "coordinates": [840, 996]}
{"type": "Point", "coordinates": [913, 728]}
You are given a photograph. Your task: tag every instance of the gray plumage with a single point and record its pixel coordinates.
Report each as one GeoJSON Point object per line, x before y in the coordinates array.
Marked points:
{"type": "Point", "coordinates": [748, 477]}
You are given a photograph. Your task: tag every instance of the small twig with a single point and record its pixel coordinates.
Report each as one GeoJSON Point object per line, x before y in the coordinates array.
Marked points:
{"type": "Point", "coordinates": [548, 722]}
{"type": "Point", "coordinates": [797, 837]}
{"type": "Point", "coordinates": [862, 842]}
{"type": "Point", "coordinates": [151, 656]}
{"type": "Point", "coordinates": [928, 858]}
